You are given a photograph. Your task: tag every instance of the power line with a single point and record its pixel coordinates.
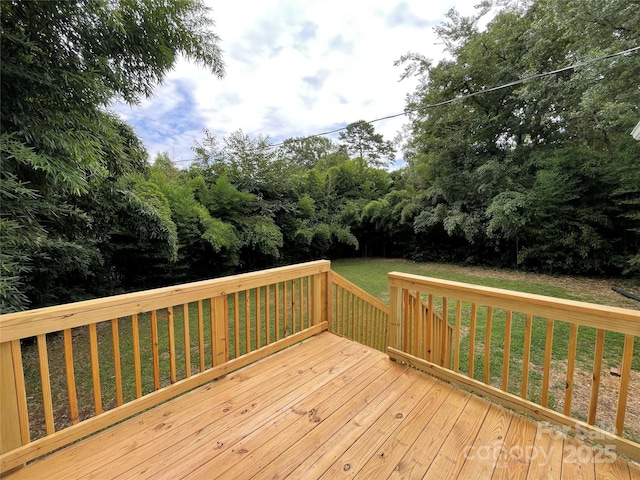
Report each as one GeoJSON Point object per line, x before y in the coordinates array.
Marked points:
{"type": "Point", "coordinates": [464, 97]}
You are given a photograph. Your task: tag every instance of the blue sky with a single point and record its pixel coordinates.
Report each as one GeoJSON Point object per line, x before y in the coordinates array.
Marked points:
{"type": "Point", "coordinates": [293, 68]}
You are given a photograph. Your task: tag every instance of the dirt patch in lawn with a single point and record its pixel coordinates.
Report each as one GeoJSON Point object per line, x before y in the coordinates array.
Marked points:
{"type": "Point", "coordinates": [607, 397]}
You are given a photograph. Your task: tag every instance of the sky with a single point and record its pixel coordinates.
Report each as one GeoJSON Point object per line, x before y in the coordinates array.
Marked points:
{"type": "Point", "coordinates": [293, 68]}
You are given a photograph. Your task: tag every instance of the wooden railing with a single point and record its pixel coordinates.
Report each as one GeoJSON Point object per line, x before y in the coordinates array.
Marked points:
{"type": "Point", "coordinates": [494, 353]}
{"type": "Point", "coordinates": [357, 314]}
{"type": "Point", "coordinates": [71, 370]}
{"type": "Point", "coordinates": [426, 334]}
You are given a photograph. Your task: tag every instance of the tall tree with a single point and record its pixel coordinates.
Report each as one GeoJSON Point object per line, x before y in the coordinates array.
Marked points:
{"type": "Point", "coordinates": [361, 140]}
{"type": "Point", "coordinates": [62, 63]}
{"type": "Point", "coordinates": [507, 170]}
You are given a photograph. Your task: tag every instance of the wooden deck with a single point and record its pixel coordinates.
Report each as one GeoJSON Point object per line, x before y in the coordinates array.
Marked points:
{"type": "Point", "coordinates": [328, 408]}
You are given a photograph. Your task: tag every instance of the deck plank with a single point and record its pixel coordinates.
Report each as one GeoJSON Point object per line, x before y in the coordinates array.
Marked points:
{"type": "Point", "coordinates": [515, 457]}
{"type": "Point", "coordinates": [263, 446]}
{"type": "Point", "coordinates": [451, 457]}
{"type": "Point", "coordinates": [326, 408]}
{"type": "Point", "coordinates": [482, 457]}
{"type": "Point", "coordinates": [420, 455]}
{"type": "Point", "coordinates": [546, 461]}
{"type": "Point", "coordinates": [386, 458]}
{"type": "Point", "coordinates": [400, 412]}
{"type": "Point", "coordinates": [206, 442]}
{"type": "Point", "coordinates": [573, 467]}
{"type": "Point", "coordinates": [330, 439]}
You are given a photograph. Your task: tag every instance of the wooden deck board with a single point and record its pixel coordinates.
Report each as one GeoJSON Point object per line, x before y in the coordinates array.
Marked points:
{"type": "Point", "coordinates": [327, 408]}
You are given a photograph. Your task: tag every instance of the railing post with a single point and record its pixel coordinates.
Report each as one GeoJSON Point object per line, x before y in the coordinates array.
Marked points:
{"type": "Point", "coordinates": [395, 317]}
{"type": "Point", "coordinates": [10, 436]}
{"type": "Point", "coordinates": [318, 301]}
{"type": "Point", "coordinates": [326, 295]}
{"type": "Point", "coordinates": [220, 330]}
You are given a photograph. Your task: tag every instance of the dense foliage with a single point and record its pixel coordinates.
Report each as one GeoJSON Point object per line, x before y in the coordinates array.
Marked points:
{"type": "Point", "coordinates": [541, 175]}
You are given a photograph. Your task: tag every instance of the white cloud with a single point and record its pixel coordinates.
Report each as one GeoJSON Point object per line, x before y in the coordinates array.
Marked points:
{"type": "Point", "coordinates": [294, 68]}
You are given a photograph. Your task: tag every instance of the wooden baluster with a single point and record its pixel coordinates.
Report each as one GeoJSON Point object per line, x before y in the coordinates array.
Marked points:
{"type": "Point", "coordinates": [524, 387]}
{"type": "Point", "coordinates": [236, 324]}
{"type": "Point", "coordinates": [472, 339]}
{"type": "Point", "coordinates": [548, 347]}
{"type": "Point", "coordinates": [597, 368]}
{"type": "Point", "coordinates": [21, 391]}
{"type": "Point", "coordinates": [71, 378]}
{"type": "Point", "coordinates": [625, 375]}
{"type": "Point", "coordinates": [187, 340]}
{"type": "Point", "coordinates": [300, 303]}
{"type": "Point", "coordinates": [212, 332]}
{"type": "Point", "coordinates": [219, 328]}
{"type": "Point", "coordinates": [293, 307]}
{"type": "Point", "coordinates": [571, 360]}
{"type": "Point", "coordinates": [456, 351]}
{"type": "Point", "coordinates": [277, 310]}
{"type": "Point", "coordinates": [318, 302]}
{"type": "Point", "coordinates": [285, 308]}
{"type": "Point", "coordinates": [136, 354]}
{"type": "Point", "coordinates": [430, 320]}
{"type": "Point", "coordinates": [443, 345]}
{"type": "Point", "coordinates": [45, 380]}
{"type": "Point", "coordinates": [408, 323]}
{"type": "Point", "coordinates": [267, 314]}
{"type": "Point", "coordinates": [95, 368]}
{"type": "Point", "coordinates": [154, 350]}
{"type": "Point", "coordinates": [201, 334]}
{"type": "Point", "coordinates": [357, 327]}
{"type": "Point", "coordinates": [258, 318]}
{"type": "Point", "coordinates": [309, 303]}
{"type": "Point", "coordinates": [247, 320]}
{"type": "Point", "coordinates": [367, 323]}
{"type": "Point", "coordinates": [507, 351]}
{"type": "Point", "coordinates": [117, 365]}
{"type": "Point", "coordinates": [172, 345]}
{"type": "Point", "coordinates": [487, 346]}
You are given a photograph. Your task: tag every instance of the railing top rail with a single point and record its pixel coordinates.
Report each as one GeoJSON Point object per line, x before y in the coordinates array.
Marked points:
{"type": "Point", "coordinates": [29, 323]}
{"type": "Point", "coordinates": [615, 319]}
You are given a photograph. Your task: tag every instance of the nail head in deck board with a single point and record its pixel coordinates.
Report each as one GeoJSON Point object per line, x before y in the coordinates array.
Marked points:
{"type": "Point", "coordinates": [394, 447]}
{"type": "Point", "coordinates": [492, 434]}
{"type": "Point", "coordinates": [515, 458]}
{"type": "Point", "coordinates": [572, 468]}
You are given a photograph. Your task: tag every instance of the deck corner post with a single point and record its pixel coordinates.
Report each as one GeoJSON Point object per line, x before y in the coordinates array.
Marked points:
{"type": "Point", "coordinates": [328, 293]}
{"type": "Point", "coordinates": [395, 316]}
{"type": "Point", "coordinates": [10, 435]}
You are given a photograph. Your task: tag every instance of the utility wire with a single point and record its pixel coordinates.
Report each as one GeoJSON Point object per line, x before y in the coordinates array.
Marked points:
{"type": "Point", "coordinates": [463, 97]}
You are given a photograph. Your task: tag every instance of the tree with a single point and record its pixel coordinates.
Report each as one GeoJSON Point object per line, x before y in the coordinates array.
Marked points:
{"type": "Point", "coordinates": [361, 140]}
{"type": "Point", "coordinates": [306, 152]}
{"type": "Point", "coordinates": [536, 174]}
{"type": "Point", "coordinates": [62, 63]}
